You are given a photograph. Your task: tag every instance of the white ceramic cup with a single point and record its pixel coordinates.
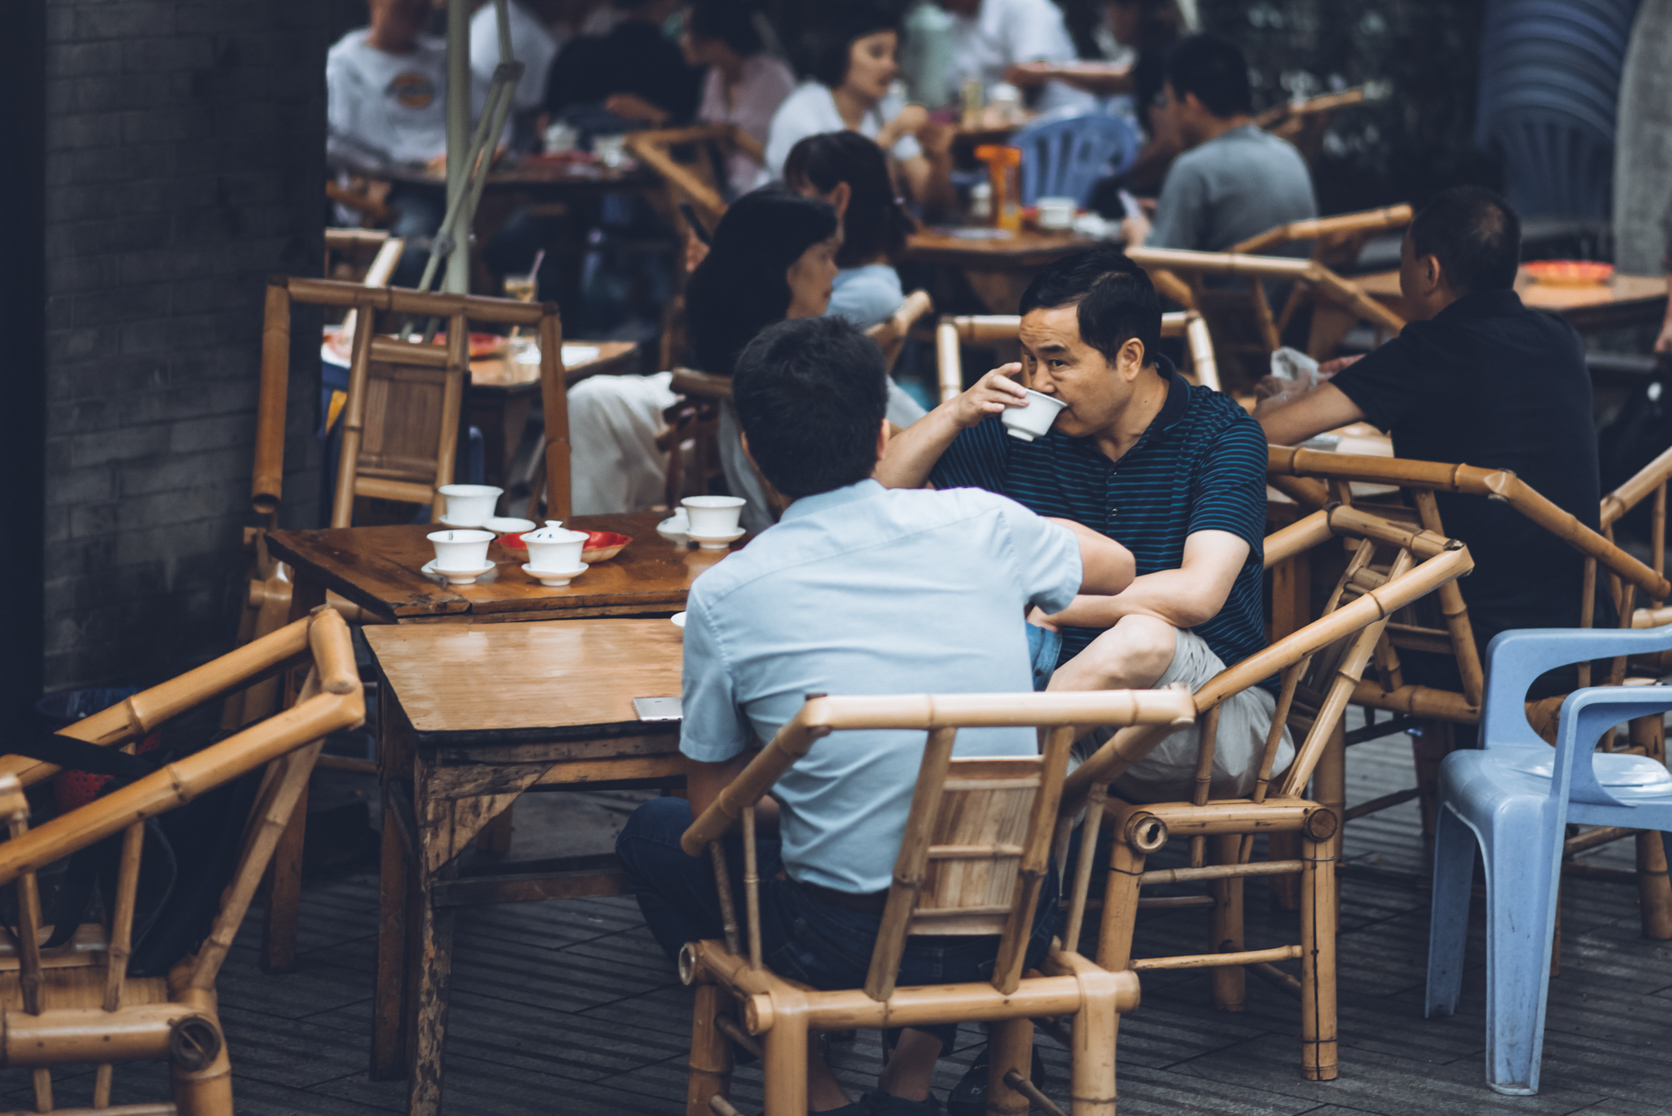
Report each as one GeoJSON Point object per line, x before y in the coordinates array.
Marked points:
{"type": "Point", "coordinates": [611, 150]}
{"type": "Point", "coordinates": [713, 516]}
{"type": "Point", "coordinates": [1032, 421]}
{"type": "Point", "coordinates": [553, 549]}
{"type": "Point", "coordinates": [1056, 213]}
{"type": "Point", "coordinates": [470, 505]}
{"type": "Point", "coordinates": [460, 550]}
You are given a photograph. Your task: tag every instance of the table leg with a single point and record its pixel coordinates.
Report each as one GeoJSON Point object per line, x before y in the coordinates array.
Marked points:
{"type": "Point", "coordinates": [389, 1006]}
{"type": "Point", "coordinates": [432, 966]}
{"type": "Point", "coordinates": [284, 875]}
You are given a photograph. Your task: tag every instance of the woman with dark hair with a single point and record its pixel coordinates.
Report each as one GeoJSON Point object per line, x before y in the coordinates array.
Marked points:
{"type": "Point", "coordinates": [851, 173]}
{"type": "Point", "coordinates": [744, 85]}
{"type": "Point", "coordinates": [774, 257]}
{"type": "Point", "coordinates": [854, 69]}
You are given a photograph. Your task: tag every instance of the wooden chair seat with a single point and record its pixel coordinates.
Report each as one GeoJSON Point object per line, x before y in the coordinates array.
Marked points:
{"type": "Point", "coordinates": [76, 1003]}
{"type": "Point", "coordinates": [972, 860]}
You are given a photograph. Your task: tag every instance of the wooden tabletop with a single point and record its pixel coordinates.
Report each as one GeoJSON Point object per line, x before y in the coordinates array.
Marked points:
{"type": "Point", "coordinates": [1623, 300]}
{"type": "Point", "coordinates": [378, 569]}
{"type": "Point", "coordinates": [486, 683]}
{"type": "Point", "coordinates": [495, 373]}
{"type": "Point", "coordinates": [1025, 249]}
{"type": "Point", "coordinates": [538, 175]}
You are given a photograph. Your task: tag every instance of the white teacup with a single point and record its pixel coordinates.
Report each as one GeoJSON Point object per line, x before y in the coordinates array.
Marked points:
{"type": "Point", "coordinates": [611, 150]}
{"type": "Point", "coordinates": [470, 505]}
{"type": "Point", "coordinates": [553, 549]}
{"type": "Point", "coordinates": [713, 516]}
{"type": "Point", "coordinates": [1056, 213]}
{"type": "Point", "coordinates": [1033, 420]}
{"type": "Point", "coordinates": [460, 550]}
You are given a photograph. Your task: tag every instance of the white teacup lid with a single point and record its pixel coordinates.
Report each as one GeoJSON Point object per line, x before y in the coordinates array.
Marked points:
{"type": "Point", "coordinates": [554, 535]}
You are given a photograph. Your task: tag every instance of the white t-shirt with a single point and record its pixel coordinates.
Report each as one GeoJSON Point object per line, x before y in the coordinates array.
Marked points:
{"type": "Point", "coordinates": [388, 108]}
{"type": "Point", "coordinates": [811, 110]}
{"type": "Point", "coordinates": [532, 43]}
{"type": "Point", "coordinates": [1005, 33]}
{"type": "Point", "coordinates": [762, 87]}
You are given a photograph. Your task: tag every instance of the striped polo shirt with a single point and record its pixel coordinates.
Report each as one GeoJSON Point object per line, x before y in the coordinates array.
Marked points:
{"type": "Point", "coordinates": [1201, 466]}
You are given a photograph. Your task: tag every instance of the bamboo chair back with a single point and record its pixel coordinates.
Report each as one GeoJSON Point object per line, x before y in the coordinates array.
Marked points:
{"type": "Point", "coordinates": [1303, 123]}
{"type": "Point", "coordinates": [1336, 241]}
{"type": "Point", "coordinates": [692, 163]}
{"type": "Point", "coordinates": [1244, 327]}
{"type": "Point", "coordinates": [400, 424]}
{"type": "Point", "coordinates": [977, 840]}
{"type": "Point", "coordinates": [1297, 472]}
{"type": "Point", "coordinates": [45, 1008]}
{"type": "Point", "coordinates": [891, 333]}
{"type": "Point", "coordinates": [953, 333]}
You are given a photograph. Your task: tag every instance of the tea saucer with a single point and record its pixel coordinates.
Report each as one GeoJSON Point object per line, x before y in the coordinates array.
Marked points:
{"type": "Point", "coordinates": [455, 577]}
{"type": "Point", "coordinates": [678, 619]}
{"type": "Point", "coordinates": [717, 542]}
{"type": "Point", "coordinates": [673, 528]}
{"type": "Point", "coordinates": [445, 522]}
{"type": "Point", "coordinates": [555, 579]}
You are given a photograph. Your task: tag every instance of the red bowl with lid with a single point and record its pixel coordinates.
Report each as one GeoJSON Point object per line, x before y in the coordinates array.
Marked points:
{"type": "Point", "coordinates": [601, 546]}
{"type": "Point", "coordinates": [1570, 273]}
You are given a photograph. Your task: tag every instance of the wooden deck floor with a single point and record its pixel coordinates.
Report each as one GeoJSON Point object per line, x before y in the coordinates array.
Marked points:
{"type": "Point", "coordinates": [569, 1008]}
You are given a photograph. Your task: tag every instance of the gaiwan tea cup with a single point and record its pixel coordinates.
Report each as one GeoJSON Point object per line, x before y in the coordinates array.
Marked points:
{"type": "Point", "coordinates": [1033, 420]}
{"type": "Point", "coordinates": [470, 505]}
{"type": "Point", "coordinates": [459, 551]}
{"type": "Point", "coordinates": [713, 516]}
{"type": "Point", "coordinates": [554, 549]}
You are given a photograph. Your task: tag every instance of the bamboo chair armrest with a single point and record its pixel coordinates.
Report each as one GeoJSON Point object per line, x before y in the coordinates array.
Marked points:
{"type": "Point", "coordinates": [700, 385]}
{"type": "Point", "coordinates": [1369, 220]}
{"type": "Point", "coordinates": [789, 745]}
{"type": "Point", "coordinates": [1636, 489]}
{"type": "Point", "coordinates": [748, 145]}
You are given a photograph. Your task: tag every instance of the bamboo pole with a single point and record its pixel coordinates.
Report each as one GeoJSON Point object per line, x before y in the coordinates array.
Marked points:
{"type": "Point", "coordinates": [1220, 872]}
{"type": "Point", "coordinates": [1215, 960]}
{"type": "Point", "coordinates": [1200, 346]}
{"type": "Point", "coordinates": [1456, 613]}
{"type": "Point", "coordinates": [401, 300]}
{"type": "Point", "coordinates": [752, 889]}
{"type": "Point", "coordinates": [1013, 944]}
{"type": "Point", "coordinates": [1651, 477]}
{"type": "Point", "coordinates": [1369, 220]}
{"type": "Point", "coordinates": [353, 430]}
{"type": "Point", "coordinates": [121, 937]}
{"type": "Point", "coordinates": [948, 364]}
{"type": "Point", "coordinates": [554, 403]}
{"type": "Point", "coordinates": [452, 406]}
{"type": "Point", "coordinates": [267, 478]}
{"type": "Point", "coordinates": [728, 905]}
{"type": "Point", "coordinates": [912, 864]}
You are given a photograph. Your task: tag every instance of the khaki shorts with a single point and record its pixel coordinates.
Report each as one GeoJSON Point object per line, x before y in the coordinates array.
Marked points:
{"type": "Point", "coordinates": [1168, 774]}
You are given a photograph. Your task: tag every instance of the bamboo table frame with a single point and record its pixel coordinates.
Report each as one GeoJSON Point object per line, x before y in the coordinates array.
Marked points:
{"type": "Point", "coordinates": [470, 718]}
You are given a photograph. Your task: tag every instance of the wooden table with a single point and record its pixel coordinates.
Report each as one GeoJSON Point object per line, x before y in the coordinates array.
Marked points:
{"type": "Point", "coordinates": [998, 269]}
{"type": "Point", "coordinates": [470, 717]}
{"type": "Point", "coordinates": [502, 395]}
{"type": "Point", "coordinates": [1625, 300]}
{"type": "Point", "coordinates": [547, 180]}
{"type": "Point", "coordinates": [377, 568]}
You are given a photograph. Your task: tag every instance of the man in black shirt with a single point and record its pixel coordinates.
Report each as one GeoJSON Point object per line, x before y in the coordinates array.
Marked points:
{"type": "Point", "coordinates": [1476, 378]}
{"type": "Point", "coordinates": [634, 73]}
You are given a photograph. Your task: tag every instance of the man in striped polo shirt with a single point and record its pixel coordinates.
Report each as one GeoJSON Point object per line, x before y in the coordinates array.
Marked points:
{"type": "Point", "coordinates": [1173, 472]}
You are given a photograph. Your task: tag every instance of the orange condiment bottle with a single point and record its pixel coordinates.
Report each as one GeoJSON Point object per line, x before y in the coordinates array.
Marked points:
{"type": "Point", "coordinates": [1004, 169]}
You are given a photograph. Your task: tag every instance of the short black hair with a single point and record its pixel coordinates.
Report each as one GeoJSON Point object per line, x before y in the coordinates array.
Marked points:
{"type": "Point", "coordinates": [811, 394]}
{"type": "Point", "coordinates": [1474, 233]}
{"type": "Point", "coordinates": [1214, 69]}
{"type": "Point", "coordinates": [1116, 299]}
{"type": "Point", "coordinates": [742, 284]}
{"type": "Point", "coordinates": [848, 22]}
{"type": "Point", "coordinates": [730, 21]}
{"type": "Point", "coordinates": [876, 223]}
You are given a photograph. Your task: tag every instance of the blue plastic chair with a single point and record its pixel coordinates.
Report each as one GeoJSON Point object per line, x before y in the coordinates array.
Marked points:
{"type": "Point", "coordinates": [1516, 795]}
{"type": "Point", "coordinates": [1066, 151]}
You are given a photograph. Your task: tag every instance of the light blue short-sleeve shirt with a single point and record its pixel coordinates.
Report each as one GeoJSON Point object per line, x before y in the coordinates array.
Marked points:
{"type": "Point", "coordinates": [867, 590]}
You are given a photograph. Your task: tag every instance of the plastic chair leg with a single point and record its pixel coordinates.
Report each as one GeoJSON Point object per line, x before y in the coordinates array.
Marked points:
{"type": "Point", "coordinates": [1520, 917]}
{"type": "Point", "coordinates": [1448, 919]}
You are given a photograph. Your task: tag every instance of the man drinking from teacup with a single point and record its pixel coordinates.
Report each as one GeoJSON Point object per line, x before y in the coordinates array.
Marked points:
{"type": "Point", "coordinates": [1175, 473]}
{"type": "Point", "coordinates": [857, 590]}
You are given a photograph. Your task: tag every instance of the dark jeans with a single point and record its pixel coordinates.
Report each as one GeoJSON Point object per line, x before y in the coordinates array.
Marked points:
{"type": "Point", "coordinates": [803, 937]}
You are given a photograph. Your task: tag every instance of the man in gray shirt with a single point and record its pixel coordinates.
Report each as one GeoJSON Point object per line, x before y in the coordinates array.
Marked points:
{"type": "Point", "coordinates": [1234, 181]}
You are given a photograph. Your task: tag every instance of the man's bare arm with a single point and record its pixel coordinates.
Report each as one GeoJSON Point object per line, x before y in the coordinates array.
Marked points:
{"type": "Point", "coordinates": [1323, 408]}
{"type": "Point", "coordinates": [1106, 566]}
{"type": "Point", "coordinates": [705, 781]}
{"type": "Point", "coordinates": [912, 453]}
{"type": "Point", "coordinates": [1190, 595]}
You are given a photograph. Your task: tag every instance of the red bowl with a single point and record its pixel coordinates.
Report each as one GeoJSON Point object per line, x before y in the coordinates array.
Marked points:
{"type": "Point", "coordinates": [601, 546]}
{"type": "Point", "coordinates": [1570, 273]}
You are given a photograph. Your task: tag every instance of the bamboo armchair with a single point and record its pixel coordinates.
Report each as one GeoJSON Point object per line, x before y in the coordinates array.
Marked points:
{"type": "Point", "coordinates": [890, 334]}
{"type": "Point", "coordinates": [1319, 666]}
{"type": "Point", "coordinates": [692, 163]}
{"type": "Point", "coordinates": [78, 1004]}
{"type": "Point", "coordinates": [1245, 331]}
{"type": "Point", "coordinates": [985, 329]}
{"type": "Point", "coordinates": [1312, 477]}
{"type": "Point", "coordinates": [1303, 123]}
{"type": "Point", "coordinates": [972, 861]}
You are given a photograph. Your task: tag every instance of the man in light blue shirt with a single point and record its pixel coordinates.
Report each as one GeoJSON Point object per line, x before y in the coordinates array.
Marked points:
{"type": "Point", "coordinates": [857, 590]}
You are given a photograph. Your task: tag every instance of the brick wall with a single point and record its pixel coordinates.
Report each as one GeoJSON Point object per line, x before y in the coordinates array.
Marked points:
{"type": "Point", "coordinates": [184, 162]}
